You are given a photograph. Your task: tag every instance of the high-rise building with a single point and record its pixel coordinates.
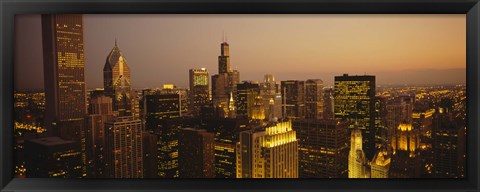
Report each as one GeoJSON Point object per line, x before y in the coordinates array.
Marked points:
{"type": "Point", "coordinates": [322, 148]}
{"type": "Point", "coordinates": [269, 151]}
{"type": "Point", "coordinates": [123, 148]}
{"type": "Point", "coordinates": [272, 98]}
{"type": "Point", "coordinates": [150, 155]}
{"type": "Point", "coordinates": [224, 84]}
{"type": "Point", "coordinates": [249, 101]}
{"type": "Point", "coordinates": [357, 161]}
{"type": "Point", "coordinates": [199, 90]}
{"type": "Point", "coordinates": [163, 118]}
{"type": "Point", "coordinates": [399, 110]}
{"type": "Point", "coordinates": [293, 95]}
{"type": "Point", "coordinates": [328, 103]}
{"type": "Point", "coordinates": [449, 150]}
{"type": "Point", "coordinates": [355, 103]}
{"type": "Point", "coordinates": [100, 112]}
{"type": "Point", "coordinates": [381, 130]}
{"type": "Point", "coordinates": [406, 153]}
{"type": "Point", "coordinates": [314, 99]}
{"type": "Point", "coordinates": [196, 153]}
{"type": "Point", "coordinates": [53, 157]}
{"type": "Point", "coordinates": [64, 68]}
{"type": "Point", "coordinates": [117, 82]}
{"type": "Point", "coordinates": [161, 106]}
{"type": "Point", "coordinates": [380, 164]}
{"type": "Point", "coordinates": [227, 131]}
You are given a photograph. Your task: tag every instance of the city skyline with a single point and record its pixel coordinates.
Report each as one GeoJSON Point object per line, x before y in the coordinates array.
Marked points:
{"type": "Point", "coordinates": [246, 46]}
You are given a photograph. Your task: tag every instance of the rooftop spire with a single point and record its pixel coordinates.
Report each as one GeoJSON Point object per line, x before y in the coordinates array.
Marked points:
{"type": "Point", "coordinates": [115, 41]}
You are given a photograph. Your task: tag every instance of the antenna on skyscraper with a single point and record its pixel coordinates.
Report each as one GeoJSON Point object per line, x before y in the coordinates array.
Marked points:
{"type": "Point", "coordinates": [115, 41]}
{"type": "Point", "coordinates": [223, 38]}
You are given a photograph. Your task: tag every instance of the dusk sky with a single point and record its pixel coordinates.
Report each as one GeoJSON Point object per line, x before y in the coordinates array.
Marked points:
{"type": "Point", "coordinates": [398, 49]}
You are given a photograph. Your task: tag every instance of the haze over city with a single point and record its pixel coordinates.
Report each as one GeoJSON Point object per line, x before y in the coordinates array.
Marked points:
{"type": "Point", "coordinates": [428, 49]}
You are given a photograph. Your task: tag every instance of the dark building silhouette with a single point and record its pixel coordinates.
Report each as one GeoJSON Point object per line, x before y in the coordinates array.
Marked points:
{"type": "Point", "coordinates": [150, 155]}
{"type": "Point", "coordinates": [196, 153]}
{"type": "Point", "coordinates": [249, 101]}
{"type": "Point", "coordinates": [224, 84]}
{"type": "Point", "coordinates": [355, 103]}
{"type": "Point", "coordinates": [64, 78]}
{"type": "Point", "coordinates": [100, 112]}
{"type": "Point", "coordinates": [323, 148]}
{"type": "Point", "coordinates": [53, 157]}
{"type": "Point", "coordinates": [314, 99]}
{"type": "Point", "coordinates": [449, 150]}
{"type": "Point", "coordinates": [293, 96]}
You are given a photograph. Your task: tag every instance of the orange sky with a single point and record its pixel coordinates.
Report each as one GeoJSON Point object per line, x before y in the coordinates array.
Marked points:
{"type": "Point", "coordinates": [161, 48]}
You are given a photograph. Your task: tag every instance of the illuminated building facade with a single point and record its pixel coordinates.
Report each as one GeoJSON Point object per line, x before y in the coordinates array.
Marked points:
{"type": "Point", "coordinates": [224, 83]}
{"type": "Point", "coordinates": [227, 131]}
{"type": "Point", "coordinates": [64, 68]}
{"type": "Point", "coordinates": [357, 161]}
{"type": "Point", "coordinates": [322, 148]}
{"type": "Point", "coordinates": [123, 148]}
{"type": "Point", "coordinates": [293, 95]}
{"type": "Point", "coordinates": [406, 153]}
{"type": "Point", "coordinates": [399, 110]}
{"type": "Point", "coordinates": [272, 98]}
{"type": "Point", "coordinates": [249, 101]}
{"type": "Point", "coordinates": [196, 153]}
{"type": "Point", "coordinates": [269, 151]}
{"type": "Point", "coordinates": [161, 106]}
{"type": "Point", "coordinates": [100, 112]}
{"type": "Point", "coordinates": [117, 82]}
{"type": "Point", "coordinates": [380, 164]}
{"type": "Point", "coordinates": [355, 103]}
{"type": "Point", "coordinates": [199, 90]}
{"type": "Point", "coordinates": [314, 99]}
{"type": "Point", "coordinates": [53, 157]}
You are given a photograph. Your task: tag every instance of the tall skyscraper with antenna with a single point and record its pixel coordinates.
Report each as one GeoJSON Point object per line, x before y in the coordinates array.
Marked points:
{"type": "Point", "coordinates": [225, 82]}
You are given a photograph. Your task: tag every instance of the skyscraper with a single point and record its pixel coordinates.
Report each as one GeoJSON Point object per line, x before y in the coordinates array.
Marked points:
{"type": "Point", "coordinates": [293, 96]}
{"type": "Point", "coordinates": [355, 103]}
{"type": "Point", "coordinates": [199, 89]}
{"type": "Point", "coordinates": [314, 99]}
{"type": "Point", "coordinates": [406, 152]}
{"type": "Point", "coordinates": [272, 98]}
{"type": "Point", "coordinates": [100, 112]}
{"type": "Point", "coordinates": [196, 153]}
{"type": "Point", "coordinates": [449, 150]}
{"type": "Point", "coordinates": [323, 148]}
{"type": "Point", "coordinates": [150, 155]}
{"type": "Point", "coordinates": [269, 151]}
{"type": "Point", "coordinates": [380, 164]}
{"type": "Point", "coordinates": [117, 82]}
{"type": "Point", "coordinates": [249, 101]}
{"type": "Point", "coordinates": [225, 82]}
{"type": "Point", "coordinates": [64, 68]}
{"type": "Point", "coordinates": [123, 151]}
{"type": "Point", "coordinates": [53, 157]}
{"type": "Point", "coordinates": [357, 161]}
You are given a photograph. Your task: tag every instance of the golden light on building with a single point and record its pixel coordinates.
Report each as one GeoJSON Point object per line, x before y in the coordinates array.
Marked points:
{"type": "Point", "coordinates": [268, 152]}
{"type": "Point", "coordinates": [406, 139]}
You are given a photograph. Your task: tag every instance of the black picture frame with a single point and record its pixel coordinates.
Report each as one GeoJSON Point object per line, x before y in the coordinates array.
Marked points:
{"type": "Point", "coordinates": [8, 9]}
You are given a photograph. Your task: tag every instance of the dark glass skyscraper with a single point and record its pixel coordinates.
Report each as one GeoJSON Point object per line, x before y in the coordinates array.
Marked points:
{"type": "Point", "coordinates": [293, 96]}
{"type": "Point", "coordinates": [314, 99]}
{"type": "Point", "coordinates": [64, 68]}
{"type": "Point", "coordinates": [196, 153]}
{"type": "Point", "coordinates": [117, 82]}
{"type": "Point", "coordinates": [355, 103]}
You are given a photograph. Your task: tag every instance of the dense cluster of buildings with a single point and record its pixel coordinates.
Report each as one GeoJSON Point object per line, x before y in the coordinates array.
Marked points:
{"type": "Point", "coordinates": [221, 127]}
